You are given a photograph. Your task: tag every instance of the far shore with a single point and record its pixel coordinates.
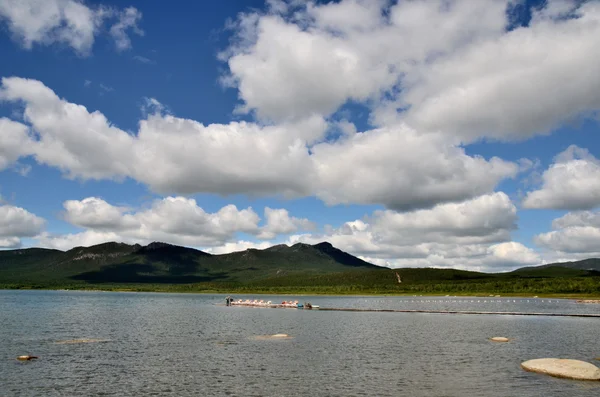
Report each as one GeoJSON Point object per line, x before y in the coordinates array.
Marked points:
{"type": "Point", "coordinates": [291, 292]}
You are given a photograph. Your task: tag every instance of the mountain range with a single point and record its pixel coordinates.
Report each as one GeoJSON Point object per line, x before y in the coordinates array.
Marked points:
{"type": "Point", "coordinates": [299, 265]}
{"type": "Point", "coordinates": [165, 263]}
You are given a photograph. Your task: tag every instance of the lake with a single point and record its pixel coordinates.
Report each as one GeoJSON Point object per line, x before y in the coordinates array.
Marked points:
{"type": "Point", "coordinates": [191, 345]}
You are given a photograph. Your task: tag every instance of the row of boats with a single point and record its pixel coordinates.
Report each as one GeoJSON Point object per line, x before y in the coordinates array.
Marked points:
{"type": "Point", "coordinates": [261, 303]}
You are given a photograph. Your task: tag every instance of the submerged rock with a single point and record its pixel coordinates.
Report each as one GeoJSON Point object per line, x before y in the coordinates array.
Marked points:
{"type": "Point", "coordinates": [84, 340]}
{"type": "Point", "coordinates": [499, 339]}
{"type": "Point", "coordinates": [27, 358]}
{"type": "Point", "coordinates": [563, 368]}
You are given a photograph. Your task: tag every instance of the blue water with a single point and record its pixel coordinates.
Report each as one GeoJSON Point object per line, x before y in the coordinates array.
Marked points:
{"type": "Point", "coordinates": [192, 345]}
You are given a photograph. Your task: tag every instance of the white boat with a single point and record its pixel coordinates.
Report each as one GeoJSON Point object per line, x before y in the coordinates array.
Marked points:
{"type": "Point", "coordinates": [262, 303]}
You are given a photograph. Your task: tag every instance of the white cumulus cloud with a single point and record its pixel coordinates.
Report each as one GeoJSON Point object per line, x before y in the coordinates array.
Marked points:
{"type": "Point", "coordinates": [571, 183]}
{"type": "Point", "coordinates": [575, 235]}
{"type": "Point", "coordinates": [127, 19]}
{"type": "Point", "coordinates": [175, 220]}
{"type": "Point", "coordinates": [69, 22]}
{"type": "Point", "coordinates": [17, 223]}
{"type": "Point", "coordinates": [515, 85]}
{"type": "Point", "coordinates": [236, 246]}
{"type": "Point", "coordinates": [401, 169]}
{"type": "Point", "coordinates": [449, 66]}
{"type": "Point", "coordinates": [95, 213]}
{"type": "Point", "coordinates": [279, 221]}
{"type": "Point", "coordinates": [81, 143]}
{"type": "Point", "coordinates": [14, 142]}
{"type": "Point", "coordinates": [319, 57]}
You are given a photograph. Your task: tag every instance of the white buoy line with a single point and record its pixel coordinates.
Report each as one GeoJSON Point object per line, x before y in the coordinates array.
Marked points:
{"type": "Point", "coordinates": [482, 301]}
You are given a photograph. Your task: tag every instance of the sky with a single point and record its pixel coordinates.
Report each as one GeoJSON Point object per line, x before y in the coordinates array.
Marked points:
{"type": "Point", "coordinates": [446, 133]}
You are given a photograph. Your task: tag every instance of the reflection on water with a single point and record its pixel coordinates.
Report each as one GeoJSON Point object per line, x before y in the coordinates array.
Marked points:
{"type": "Point", "coordinates": [187, 345]}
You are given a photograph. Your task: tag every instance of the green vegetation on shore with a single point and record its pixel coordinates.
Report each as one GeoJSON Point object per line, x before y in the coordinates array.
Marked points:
{"type": "Point", "coordinates": [300, 269]}
{"type": "Point", "coordinates": [377, 282]}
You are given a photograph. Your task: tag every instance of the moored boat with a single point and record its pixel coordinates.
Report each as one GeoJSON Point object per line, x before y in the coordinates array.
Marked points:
{"type": "Point", "coordinates": [261, 303]}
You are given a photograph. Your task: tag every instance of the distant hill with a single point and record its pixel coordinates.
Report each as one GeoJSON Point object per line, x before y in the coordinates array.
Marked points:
{"type": "Point", "coordinates": [592, 264]}
{"type": "Point", "coordinates": [166, 263]}
{"type": "Point", "coordinates": [586, 264]}
{"type": "Point", "coordinates": [552, 271]}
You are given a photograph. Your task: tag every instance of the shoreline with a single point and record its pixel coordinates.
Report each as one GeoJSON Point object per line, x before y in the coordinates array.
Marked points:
{"type": "Point", "coordinates": [574, 296]}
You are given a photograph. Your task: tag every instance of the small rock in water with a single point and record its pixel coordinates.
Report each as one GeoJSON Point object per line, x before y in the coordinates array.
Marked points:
{"type": "Point", "coordinates": [26, 358]}
{"type": "Point", "coordinates": [563, 368]}
{"type": "Point", "coordinates": [499, 339]}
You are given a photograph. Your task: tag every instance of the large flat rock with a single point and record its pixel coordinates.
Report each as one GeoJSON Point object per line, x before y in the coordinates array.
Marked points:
{"type": "Point", "coordinates": [563, 368]}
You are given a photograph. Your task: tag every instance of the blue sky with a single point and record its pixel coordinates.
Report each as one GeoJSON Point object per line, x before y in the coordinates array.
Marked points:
{"type": "Point", "coordinates": [423, 133]}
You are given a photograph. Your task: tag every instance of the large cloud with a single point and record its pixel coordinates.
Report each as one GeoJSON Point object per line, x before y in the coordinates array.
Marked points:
{"type": "Point", "coordinates": [448, 66]}
{"type": "Point", "coordinates": [488, 218]}
{"type": "Point", "coordinates": [279, 222]}
{"type": "Point", "coordinates": [401, 169]}
{"type": "Point", "coordinates": [224, 158]}
{"type": "Point", "coordinates": [176, 220]}
{"type": "Point", "coordinates": [394, 166]}
{"type": "Point", "coordinates": [576, 219]}
{"type": "Point", "coordinates": [576, 235]}
{"type": "Point", "coordinates": [96, 213]}
{"type": "Point", "coordinates": [324, 55]}
{"type": "Point", "coordinates": [521, 83]}
{"type": "Point", "coordinates": [82, 144]}
{"type": "Point", "coordinates": [16, 223]}
{"type": "Point", "coordinates": [571, 183]}
{"type": "Point", "coordinates": [69, 22]}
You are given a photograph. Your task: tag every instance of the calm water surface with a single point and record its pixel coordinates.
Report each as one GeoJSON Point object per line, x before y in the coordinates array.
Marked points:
{"type": "Point", "coordinates": [188, 345]}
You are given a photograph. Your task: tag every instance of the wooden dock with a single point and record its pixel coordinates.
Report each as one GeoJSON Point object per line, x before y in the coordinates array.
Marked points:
{"type": "Point", "coordinates": [461, 312]}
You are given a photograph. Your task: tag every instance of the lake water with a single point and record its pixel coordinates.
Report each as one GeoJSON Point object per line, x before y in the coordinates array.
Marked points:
{"type": "Point", "coordinates": [189, 345]}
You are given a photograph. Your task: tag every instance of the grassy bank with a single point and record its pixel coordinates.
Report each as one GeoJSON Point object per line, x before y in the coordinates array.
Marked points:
{"type": "Point", "coordinates": [584, 287]}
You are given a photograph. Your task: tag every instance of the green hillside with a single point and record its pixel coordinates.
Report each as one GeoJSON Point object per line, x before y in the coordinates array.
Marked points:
{"type": "Point", "coordinates": [301, 268]}
{"type": "Point", "coordinates": [420, 281]}
{"type": "Point", "coordinates": [160, 263]}
{"type": "Point", "coordinates": [554, 270]}
{"type": "Point", "coordinates": [586, 264]}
